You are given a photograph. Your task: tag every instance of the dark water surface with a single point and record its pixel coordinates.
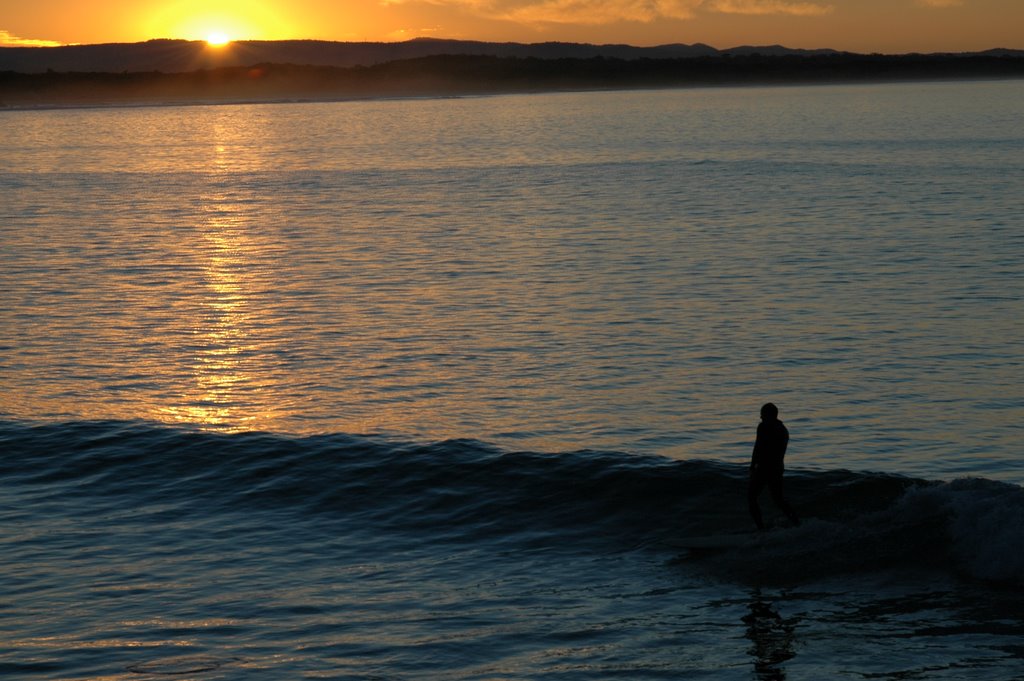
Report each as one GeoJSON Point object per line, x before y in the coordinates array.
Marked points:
{"type": "Point", "coordinates": [437, 388]}
{"type": "Point", "coordinates": [132, 549]}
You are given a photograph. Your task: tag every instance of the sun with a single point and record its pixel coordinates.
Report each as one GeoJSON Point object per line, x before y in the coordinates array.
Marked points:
{"type": "Point", "coordinates": [217, 39]}
{"type": "Point", "coordinates": [219, 24]}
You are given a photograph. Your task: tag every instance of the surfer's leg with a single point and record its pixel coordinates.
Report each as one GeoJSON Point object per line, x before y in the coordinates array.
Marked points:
{"type": "Point", "coordinates": [756, 485]}
{"type": "Point", "coordinates": [776, 489]}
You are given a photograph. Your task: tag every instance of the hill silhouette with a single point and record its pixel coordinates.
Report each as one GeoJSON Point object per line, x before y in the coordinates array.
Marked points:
{"type": "Point", "coordinates": [174, 56]}
{"type": "Point", "coordinates": [175, 71]}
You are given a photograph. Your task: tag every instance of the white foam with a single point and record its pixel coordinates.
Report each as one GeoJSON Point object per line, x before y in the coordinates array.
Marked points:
{"type": "Point", "coordinates": [987, 528]}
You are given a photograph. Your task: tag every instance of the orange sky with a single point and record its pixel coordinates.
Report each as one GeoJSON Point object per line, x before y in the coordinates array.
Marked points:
{"type": "Point", "coordinates": [891, 26]}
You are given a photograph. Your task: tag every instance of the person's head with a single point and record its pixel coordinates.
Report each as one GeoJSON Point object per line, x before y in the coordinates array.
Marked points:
{"type": "Point", "coordinates": [769, 412]}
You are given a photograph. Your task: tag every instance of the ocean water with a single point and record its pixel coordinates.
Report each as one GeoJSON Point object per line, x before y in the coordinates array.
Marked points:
{"type": "Point", "coordinates": [441, 388]}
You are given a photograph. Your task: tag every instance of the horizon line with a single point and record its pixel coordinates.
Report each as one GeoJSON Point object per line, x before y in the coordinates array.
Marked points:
{"type": "Point", "coordinates": [774, 46]}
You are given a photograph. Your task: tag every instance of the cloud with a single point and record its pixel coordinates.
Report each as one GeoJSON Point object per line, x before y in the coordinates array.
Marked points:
{"type": "Point", "coordinates": [8, 40]}
{"type": "Point", "coordinates": [801, 9]}
{"type": "Point", "coordinates": [596, 12]}
{"type": "Point", "coordinates": [409, 33]}
{"type": "Point", "coordinates": [590, 12]}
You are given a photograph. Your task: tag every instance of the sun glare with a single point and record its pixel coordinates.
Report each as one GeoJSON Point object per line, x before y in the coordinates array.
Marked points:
{"type": "Point", "coordinates": [218, 23]}
{"type": "Point", "coordinates": [217, 39]}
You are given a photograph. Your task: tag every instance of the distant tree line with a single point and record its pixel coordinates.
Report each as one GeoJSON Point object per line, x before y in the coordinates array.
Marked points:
{"type": "Point", "coordinates": [469, 74]}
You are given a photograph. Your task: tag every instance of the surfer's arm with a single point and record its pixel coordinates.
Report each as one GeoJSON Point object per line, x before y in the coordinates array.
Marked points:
{"type": "Point", "coordinates": [754, 454]}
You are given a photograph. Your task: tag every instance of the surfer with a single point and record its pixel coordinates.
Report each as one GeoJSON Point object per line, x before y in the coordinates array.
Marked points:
{"type": "Point", "coordinates": [766, 464]}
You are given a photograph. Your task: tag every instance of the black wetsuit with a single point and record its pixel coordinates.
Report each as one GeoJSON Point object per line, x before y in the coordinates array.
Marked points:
{"type": "Point", "coordinates": [766, 468]}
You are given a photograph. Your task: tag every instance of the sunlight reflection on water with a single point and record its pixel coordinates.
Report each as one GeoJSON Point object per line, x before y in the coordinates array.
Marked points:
{"type": "Point", "coordinates": [532, 271]}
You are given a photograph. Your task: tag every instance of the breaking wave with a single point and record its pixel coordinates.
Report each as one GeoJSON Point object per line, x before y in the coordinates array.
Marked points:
{"type": "Point", "coordinates": [468, 491]}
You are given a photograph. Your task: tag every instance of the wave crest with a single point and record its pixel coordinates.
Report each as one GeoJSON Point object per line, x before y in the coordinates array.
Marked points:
{"type": "Point", "coordinates": [466, 491]}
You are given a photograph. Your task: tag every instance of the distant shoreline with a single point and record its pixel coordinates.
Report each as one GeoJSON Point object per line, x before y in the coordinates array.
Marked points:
{"type": "Point", "coordinates": [156, 104]}
{"type": "Point", "coordinates": [480, 75]}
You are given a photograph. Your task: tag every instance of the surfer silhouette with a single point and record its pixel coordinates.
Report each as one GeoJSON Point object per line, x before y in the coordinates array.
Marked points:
{"type": "Point", "coordinates": [766, 466]}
